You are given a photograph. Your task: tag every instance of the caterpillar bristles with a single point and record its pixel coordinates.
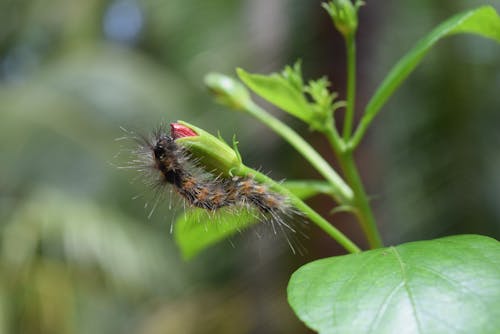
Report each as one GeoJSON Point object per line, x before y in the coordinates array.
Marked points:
{"type": "Point", "coordinates": [165, 163]}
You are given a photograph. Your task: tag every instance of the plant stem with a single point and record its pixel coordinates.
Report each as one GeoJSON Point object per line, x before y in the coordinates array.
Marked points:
{"type": "Point", "coordinates": [362, 206]}
{"type": "Point", "coordinates": [364, 211]}
{"type": "Point", "coordinates": [361, 129]}
{"type": "Point", "coordinates": [351, 85]}
{"type": "Point", "coordinates": [303, 207]}
{"type": "Point", "coordinates": [322, 223]}
{"type": "Point", "coordinates": [308, 188]}
{"type": "Point", "coordinates": [343, 150]}
{"type": "Point", "coordinates": [343, 192]}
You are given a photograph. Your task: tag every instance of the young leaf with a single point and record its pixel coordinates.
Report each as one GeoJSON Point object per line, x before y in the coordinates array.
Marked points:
{"type": "Point", "coordinates": [483, 21]}
{"type": "Point", "coordinates": [197, 229]}
{"type": "Point", "coordinates": [448, 285]}
{"type": "Point", "coordinates": [293, 74]}
{"type": "Point", "coordinates": [282, 91]}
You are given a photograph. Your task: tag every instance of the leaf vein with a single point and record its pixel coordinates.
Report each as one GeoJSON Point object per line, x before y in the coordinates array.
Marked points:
{"type": "Point", "coordinates": [407, 288]}
{"type": "Point", "coordinates": [383, 307]}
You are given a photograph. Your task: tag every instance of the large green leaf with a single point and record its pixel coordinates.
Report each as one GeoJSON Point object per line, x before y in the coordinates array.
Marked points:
{"type": "Point", "coordinates": [483, 21]}
{"type": "Point", "coordinates": [448, 285]}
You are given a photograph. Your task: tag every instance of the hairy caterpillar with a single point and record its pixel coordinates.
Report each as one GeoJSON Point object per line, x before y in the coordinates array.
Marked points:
{"type": "Point", "coordinates": [170, 164]}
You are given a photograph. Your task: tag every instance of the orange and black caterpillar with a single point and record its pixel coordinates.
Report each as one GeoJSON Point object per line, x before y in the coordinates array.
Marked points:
{"type": "Point", "coordinates": [164, 162]}
{"type": "Point", "coordinates": [204, 190]}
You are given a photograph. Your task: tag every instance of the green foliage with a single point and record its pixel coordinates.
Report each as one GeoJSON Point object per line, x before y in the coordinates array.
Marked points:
{"type": "Point", "coordinates": [448, 285]}
{"type": "Point", "coordinates": [287, 91]}
{"type": "Point", "coordinates": [344, 15]}
{"type": "Point", "coordinates": [483, 21]}
{"type": "Point", "coordinates": [198, 229]}
{"type": "Point", "coordinates": [444, 285]}
{"type": "Point", "coordinates": [284, 91]}
{"type": "Point", "coordinates": [75, 257]}
{"type": "Point", "coordinates": [318, 90]}
{"type": "Point", "coordinates": [293, 74]}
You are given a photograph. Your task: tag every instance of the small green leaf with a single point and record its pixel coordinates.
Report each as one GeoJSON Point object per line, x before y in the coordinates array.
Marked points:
{"type": "Point", "coordinates": [279, 91]}
{"type": "Point", "coordinates": [318, 90]}
{"type": "Point", "coordinates": [293, 74]}
{"type": "Point", "coordinates": [323, 105]}
{"type": "Point", "coordinates": [198, 229]}
{"type": "Point", "coordinates": [448, 285]}
{"type": "Point", "coordinates": [483, 21]}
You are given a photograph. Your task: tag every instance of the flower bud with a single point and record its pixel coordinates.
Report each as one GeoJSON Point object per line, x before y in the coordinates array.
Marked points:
{"type": "Point", "coordinates": [344, 15]}
{"type": "Point", "coordinates": [212, 153]}
{"type": "Point", "coordinates": [227, 90]}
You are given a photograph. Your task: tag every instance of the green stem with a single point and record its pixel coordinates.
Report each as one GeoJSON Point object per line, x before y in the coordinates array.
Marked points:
{"type": "Point", "coordinates": [351, 85]}
{"type": "Point", "coordinates": [303, 207]}
{"type": "Point", "coordinates": [344, 152]}
{"type": "Point", "coordinates": [362, 206]}
{"type": "Point", "coordinates": [367, 118]}
{"type": "Point", "coordinates": [308, 188]}
{"type": "Point", "coordinates": [344, 193]}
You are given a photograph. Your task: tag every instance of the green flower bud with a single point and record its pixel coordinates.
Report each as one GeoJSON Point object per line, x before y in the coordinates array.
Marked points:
{"type": "Point", "coordinates": [227, 90]}
{"type": "Point", "coordinates": [344, 15]}
{"type": "Point", "coordinates": [212, 153]}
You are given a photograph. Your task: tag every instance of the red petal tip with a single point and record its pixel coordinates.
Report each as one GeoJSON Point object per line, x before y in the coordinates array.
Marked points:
{"type": "Point", "coordinates": [178, 131]}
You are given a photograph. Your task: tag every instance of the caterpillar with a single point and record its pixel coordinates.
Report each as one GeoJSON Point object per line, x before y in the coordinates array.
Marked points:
{"type": "Point", "coordinates": [170, 164]}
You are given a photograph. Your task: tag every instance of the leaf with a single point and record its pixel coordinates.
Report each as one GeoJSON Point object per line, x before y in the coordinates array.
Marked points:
{"type": "Point", "coordinates": [279, 91]}
{"type": "Point", "coordinates": [448, 285]}
{"type": "Point", "coordinates": [197, 229]}
{"type": "Point", "coordinates": [482, 21]}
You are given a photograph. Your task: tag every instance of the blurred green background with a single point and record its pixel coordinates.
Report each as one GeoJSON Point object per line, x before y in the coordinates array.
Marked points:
{"type": "Point", "coordinates": [79, 255]}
